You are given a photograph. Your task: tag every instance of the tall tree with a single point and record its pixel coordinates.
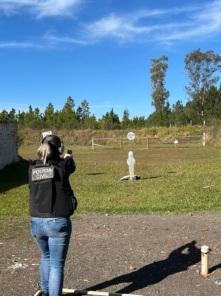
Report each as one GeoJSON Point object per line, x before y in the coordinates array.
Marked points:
{"type": "Point", "coordinates": [4, 116]}
{"type": "Point", "coordinates": [29, 117]}
{"type": "Point", "coordinates": [79, 114]}
{"type": "Point", "coordinates": [12, 115]}
{"type": "Point", "coordinates": [178, 116]}
{"type": "Point", "coordinates": [202, 70]}
{"type": "Point", "coordinates": [67, 117]}
{"type": "Point", "coordinates": [138, 122]}
{"type": "Point", "coordinates": [21, 117]}
{"type": "Point", "coordinates": [110, 120]}
{"type": "Point", "coordinates": [159, 92]}
{"type": "Point", "coordinates": [69, 105]}
{"type": "Point", "coordinates": [125, 120]}
{"type": "Point", "coordinates": [49, 115]}
{"type": "Point", "coordinates": [213, 103]}
{"type": "Point", "coordinates": [83, 111]}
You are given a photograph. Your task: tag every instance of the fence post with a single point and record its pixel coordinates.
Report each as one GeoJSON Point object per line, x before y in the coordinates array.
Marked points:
{"type": "Point", "coordinates": [92, 143]}
{"type": "Point", "coordinates": [204, 261]}
{"type": "Point", "coordinates": [204, 139]}
{"type": "Point", "coordinates": [147, 142]}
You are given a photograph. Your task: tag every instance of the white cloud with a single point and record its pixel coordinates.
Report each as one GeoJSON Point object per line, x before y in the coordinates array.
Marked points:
{"type": "Point", "coordinates": [55, 39]}
{"type": "Point", "coordinates": [45, 42]}
{"type": "Point", "coordinates": [204, 23]}
{"type": "Point", "coordinates": [120, 27]}
{"type": "Point", "coordinates": [41, 8]}
{"type": "Point", "coordinates": [162, 25]}
{"type": "Point", "coordinates": [16, 44]}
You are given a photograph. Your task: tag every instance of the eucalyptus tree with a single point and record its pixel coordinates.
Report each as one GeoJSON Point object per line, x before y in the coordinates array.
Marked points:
{"type": "Point", "coordinates": [202, 69]}
{"type": "Point", "coordinates": [159, 92]}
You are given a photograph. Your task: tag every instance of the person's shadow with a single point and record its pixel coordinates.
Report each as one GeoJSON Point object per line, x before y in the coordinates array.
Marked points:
{"type": "Point", "coordinates": [14, 175]}
{"type": "Point", "coordinates": [178, 260]}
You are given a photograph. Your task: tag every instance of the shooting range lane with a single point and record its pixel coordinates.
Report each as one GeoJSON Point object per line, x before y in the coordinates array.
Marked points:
{"type": "Point", "coordinates": [124, 254]}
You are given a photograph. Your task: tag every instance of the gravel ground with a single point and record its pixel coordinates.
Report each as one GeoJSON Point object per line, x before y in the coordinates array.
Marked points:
{"type": "Point", "coordinates": [140, 254]}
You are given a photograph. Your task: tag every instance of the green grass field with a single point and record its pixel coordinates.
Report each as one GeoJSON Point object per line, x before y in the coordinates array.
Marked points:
{"type": "Point", "coordinates": [172, 180]}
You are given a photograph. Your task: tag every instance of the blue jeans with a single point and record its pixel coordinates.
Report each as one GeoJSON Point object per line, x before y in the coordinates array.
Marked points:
{"type": "Point", "coordinates": [52, 236]}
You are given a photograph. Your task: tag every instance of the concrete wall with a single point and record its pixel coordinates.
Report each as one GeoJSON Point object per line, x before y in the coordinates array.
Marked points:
{"type": "Point", "coordinates": [8, 144]}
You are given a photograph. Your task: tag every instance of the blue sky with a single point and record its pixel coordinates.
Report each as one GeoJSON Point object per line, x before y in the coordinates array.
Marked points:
{"type": "Point", "coordinates": [99, 50]}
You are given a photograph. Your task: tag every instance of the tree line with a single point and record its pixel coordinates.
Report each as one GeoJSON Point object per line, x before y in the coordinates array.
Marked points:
{"type": "Point", "coordinates": [204, 104]}
{"type": "Point", "coordinates": [69, 117]}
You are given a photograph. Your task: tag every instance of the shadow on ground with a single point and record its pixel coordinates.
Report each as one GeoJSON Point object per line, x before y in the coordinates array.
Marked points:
{"type": "Point", "coordinates": [14, 175]}
{"type": "Point", "coordinates": [178, 260]}
{"type": "Point", "coordinates": [151, 177]}
{"type": "Point", "coordinates": [94, 174]}
{"type": "Point", "coordinates": [214, 268]}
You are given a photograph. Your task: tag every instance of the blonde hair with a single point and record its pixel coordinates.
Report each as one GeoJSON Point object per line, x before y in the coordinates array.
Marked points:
{"type": "Point", "coordinates": [43, 151]}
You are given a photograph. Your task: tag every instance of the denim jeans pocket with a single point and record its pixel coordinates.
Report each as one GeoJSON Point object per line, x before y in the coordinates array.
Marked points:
{"type": "Point", "coordinates": [59, 227]}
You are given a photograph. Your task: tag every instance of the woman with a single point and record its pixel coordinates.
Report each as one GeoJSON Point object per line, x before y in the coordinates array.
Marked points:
{"type": "Point", "coordinates": [52, 202]}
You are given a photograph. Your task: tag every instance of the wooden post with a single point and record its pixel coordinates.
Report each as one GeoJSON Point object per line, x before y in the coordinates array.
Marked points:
{"type": "Point", "coordinates": [85, 292]}
{"type": "Point", "coordinates": [204, 261]}
{"type": "Point", "coordinates": [94, 293]}
{"type": "Point", "coordinates": [204, 139]}
{"type": "Point", "coordinates": [92, 143]}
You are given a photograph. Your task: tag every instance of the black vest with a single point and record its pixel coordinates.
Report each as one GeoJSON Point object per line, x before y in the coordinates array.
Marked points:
{"type": "Point", "coordinates": [50, 191]}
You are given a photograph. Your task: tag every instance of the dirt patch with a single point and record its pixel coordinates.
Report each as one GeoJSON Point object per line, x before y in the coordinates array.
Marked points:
{"type": "Point", "coordinates": [146, 254]}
